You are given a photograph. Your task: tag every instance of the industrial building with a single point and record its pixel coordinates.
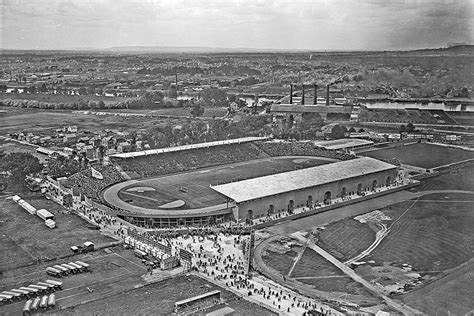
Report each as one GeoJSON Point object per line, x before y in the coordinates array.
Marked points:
{"type": "Point", "coordinates": [262, 196]}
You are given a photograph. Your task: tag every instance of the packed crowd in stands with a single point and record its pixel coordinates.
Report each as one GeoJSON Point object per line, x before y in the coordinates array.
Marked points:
{"type": "Point", "coordinates": [296, 148]}
{"type": "Point", "coordinates": [185, 160]}
{"type": "Point", "coordinates": [90, 186]}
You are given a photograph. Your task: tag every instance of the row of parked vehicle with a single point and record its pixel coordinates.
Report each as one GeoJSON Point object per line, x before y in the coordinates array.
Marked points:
{"type": "Point", "coordinates": [64, 269]}
{"type": "Point", "coordinates": [40, 288]}
{"type": "Point", "coordinates": [39, 304]}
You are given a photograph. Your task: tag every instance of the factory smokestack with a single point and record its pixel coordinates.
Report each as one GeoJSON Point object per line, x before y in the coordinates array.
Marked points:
{"type": "Point", "coordinates": [291, 94]}
{"type": "Point", "coordinates": [176, 81]}
{"type": "Point", "coordinates": [302, 97]}
{"type": "Point", "coordinates": [327, 95]}
{"type": "Point", "coordinates": [315, 94]}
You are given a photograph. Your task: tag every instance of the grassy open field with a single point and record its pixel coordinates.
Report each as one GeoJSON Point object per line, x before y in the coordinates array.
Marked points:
{"type": "Point", "coordinates": [341, 284]}
{"type": "Point", "coordinates": [60, 98]}
{"type": "Point", "coordinates": [159, 298]}
{"type": "Point", "coordinates": [422, 154]}
{"type": "Point", "coordinates": [311, 264]}
{"type": "Point", "coordinates": [312, 270]}
{"type": "Point", "coordinates": [345, 239]}
{"type": "Point", "coordinates": [431, 236]}
{"type": "Point", "coordinates": [208, 111]}
{"type": "Point", "coordinates": [26, 239]}
{"type": "Point", "coordinates": [281, 262]}
{"type": "Point", "coordinates": [9, 147]}
{"type": "Point", "coordinates": [34, 120]}
{"type": "Point", "coordinates": [450, 295]}
{"type": "Point", "coordinates": [434, 234]}
{"type": "Point", "coordinates": [463, 179]}
{"type": "Point", "coordinates": [199, 194]}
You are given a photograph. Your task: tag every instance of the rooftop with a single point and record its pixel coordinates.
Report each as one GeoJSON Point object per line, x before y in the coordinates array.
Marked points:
{"type": "Point", "coordinates": [343, 143]}
{"type": "Point", "coordinates": [256, 188]}
{"type": "Point", "coordinates": [187, 147]}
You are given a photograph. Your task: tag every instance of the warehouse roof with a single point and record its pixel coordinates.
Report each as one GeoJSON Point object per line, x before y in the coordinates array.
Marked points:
{"type": "Point", "coordinates": [256, 188]}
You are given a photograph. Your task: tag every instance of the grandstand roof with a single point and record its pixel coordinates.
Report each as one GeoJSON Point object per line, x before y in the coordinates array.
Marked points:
{"type": "Point", "coordinates": [343, 143]}
{"type": "Point", "coordinates": [256, 188]}
{"type": "Point", "coordinates": [187, 147]}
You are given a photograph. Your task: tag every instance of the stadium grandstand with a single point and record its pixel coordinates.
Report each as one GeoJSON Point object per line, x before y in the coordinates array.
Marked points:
{"type": "Point", "coordinates": [181, 185]}
{"type": "Point", "coordinates": [91, 185]}
{"type": "Point", "coordinates": [280, 192]}
{"type": "Point", "coordinates": [344, 144]}
{"type": "Point", "coordinates": [168, 162]}
{"type": "Point", "coordinates": [300, 148]}
{"type": "Point", "coordinates": [187, 147]}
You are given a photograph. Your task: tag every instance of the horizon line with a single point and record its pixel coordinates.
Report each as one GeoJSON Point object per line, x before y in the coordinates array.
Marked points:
{"type": "Point", "coordinates": [177, 49]}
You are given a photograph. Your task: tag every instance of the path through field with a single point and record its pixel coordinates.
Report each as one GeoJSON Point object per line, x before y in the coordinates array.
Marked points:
{"type": "Point", "coordinates": [381, 234]}
{"type": "Point", "coordinates": [406, 310]}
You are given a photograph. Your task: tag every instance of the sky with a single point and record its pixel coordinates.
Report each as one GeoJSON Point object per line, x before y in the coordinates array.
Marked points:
{"type": "Point", "coordinates": [261, 24]}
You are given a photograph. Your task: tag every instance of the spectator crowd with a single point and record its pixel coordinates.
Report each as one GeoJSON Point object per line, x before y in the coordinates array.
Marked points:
{"type": "Point", "coordinates": [300, 148]}
{"type": "Point", "coordinates": [91, 186]}
{"type": "Point", "coordinates": [190, 159]}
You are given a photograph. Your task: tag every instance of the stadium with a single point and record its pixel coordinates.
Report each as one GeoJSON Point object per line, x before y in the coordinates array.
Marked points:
{"type": "Point", "coordinates": [237, 180]}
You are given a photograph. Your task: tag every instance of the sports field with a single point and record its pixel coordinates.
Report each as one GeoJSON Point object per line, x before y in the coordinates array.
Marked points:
{"type": "Point", "coordinates": [431, 235]}
{"type": "Point", "coordinates": [193, 187]}
{"type": "Point", "coordinates": [450, 295]}
{"type": "Point", "coordinates": [462, 179]}
{"type": "Point", "coordinates": [345, 239]}
{"type": "Point", "coordinates": [422, 155]}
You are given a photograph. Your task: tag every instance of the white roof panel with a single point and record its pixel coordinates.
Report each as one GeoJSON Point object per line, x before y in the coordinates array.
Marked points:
{"type": "Point", "coordinates": [343, 143]}
{"type": "Point", "coordinates": [256, 188]}
{"type": "Point", "coordinates": [186, 147]}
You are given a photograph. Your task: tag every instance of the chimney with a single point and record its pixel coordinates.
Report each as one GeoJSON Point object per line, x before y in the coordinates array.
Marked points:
{"type": "Point", "coordinates": [291, 94]}
{"type": "Point", "coordinates": [176, 81]}
{"type": "Point", "coordinates": [302, 97]}
{"type": "Point", "coordinates": [327, 95]}
{"type": "Point", "coordinates": [315, 94]}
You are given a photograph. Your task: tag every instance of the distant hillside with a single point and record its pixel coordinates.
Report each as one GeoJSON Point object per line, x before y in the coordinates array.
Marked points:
{"type": "Point", "coordinates": [455, 50]}
{"type": "Point", "coordinates": [181, 49]}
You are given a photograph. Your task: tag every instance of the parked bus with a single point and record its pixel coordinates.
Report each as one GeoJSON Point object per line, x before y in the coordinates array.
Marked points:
{"type": "Point", "coordinates": [26, 307]}
{"type": "Point", "coordinates": [44, 302]}
{"type": "Point", "coordinates": [63, 270]}
{"type": "Point", "coordinates": [57, 284]}
{"type": "Point", "coordinates": [54, 272]}
{"type": "Point", "coordinates": [35, 304]}
{"type": "Point", "coordinates": [52, 301]}
{"type": "Point", "coordinates": [86, 266]}
{"type": "Point", "coordinates": [22, 292]}
{"type": "Point", "coordinates": [48, 285]}
{"type": "Point", "coordinates": [41, 288]}
{"type": "Point", "coordinates": [29, 289]}
{"type": "Point", "coordinates": [14, 295]}
{"type": "Point", "coordinates": [77, 266]}
{"type": "Point", "coordinates": [71, 269]}
{"type": "Point", "coordinates": [7, 298]}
